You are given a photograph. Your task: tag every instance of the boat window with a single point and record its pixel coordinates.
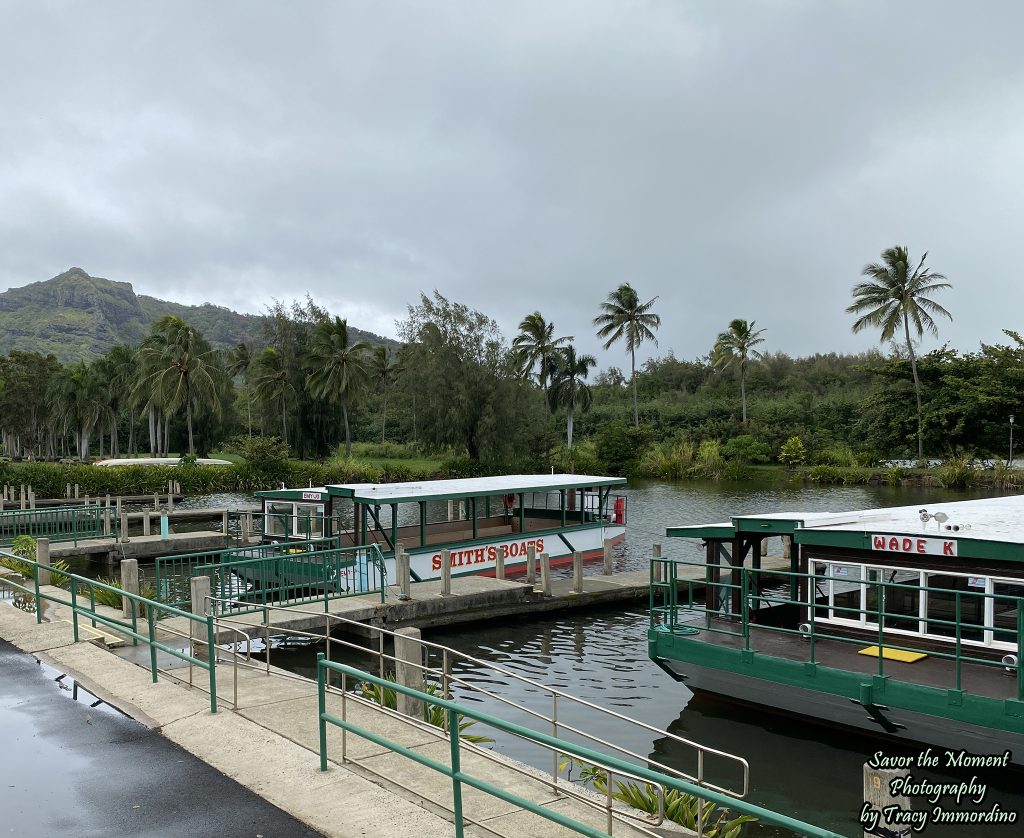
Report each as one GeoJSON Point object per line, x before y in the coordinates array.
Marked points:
{"type": "Point", "coordinates": [309, 520]}
{"type": "Point", "coordinates": [1005, 607]}
{"type": "Point", "coordinates": [942, 607]}
{"type": "Point", "coordinates": [845, 590]}
{"type": "Point", "coordinates": [902, 598]}
{"type": "Point", "coordinates": [278, 519]}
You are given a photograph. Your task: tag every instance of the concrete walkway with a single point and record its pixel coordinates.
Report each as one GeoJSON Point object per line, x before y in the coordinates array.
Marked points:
{"type": "Point", "coordinates": [268, 744]}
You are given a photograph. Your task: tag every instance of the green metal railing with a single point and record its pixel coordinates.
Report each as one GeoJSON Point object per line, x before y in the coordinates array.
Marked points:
{"type": "Point", "coordinates": [665, 581]}
{"type": "Point", "coordinates": [456, 713]}
{"type": "Point", "coordinates": [294, 573]}
{"type": "Point", "coordinates": [58, 523]}
{"type": "Point", "coordinates": [171, 573]}
{"type": "Point", "coordinates": [81, 599]}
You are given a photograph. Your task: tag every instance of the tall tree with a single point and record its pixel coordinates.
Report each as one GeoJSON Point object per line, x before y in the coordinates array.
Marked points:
{"type": "Point", "coordinates": [624, 317]}
{"type": "Point", "coordinates": [569, 388]}
{"type": "Point", "coordinates": [735, 346]}
{"type": "Point", "coordinates": [340, 368]}
{"type": "Point", "coordinates": [183, 368]}
{"type": "Point", "coordinates": [274, 386]}
{"type": "Point", "coordinates": [536, 346]}
{"type": "Point", "coordinates": [240, 363]}
{"type": "Point", "coordinates": [894, 295]}
{"type": "Point", "coordinates": [384, 368]}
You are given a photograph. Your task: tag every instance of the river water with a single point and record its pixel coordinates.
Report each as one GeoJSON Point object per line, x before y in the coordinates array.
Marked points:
{"type": "Point", "coordinates": [805, 770]}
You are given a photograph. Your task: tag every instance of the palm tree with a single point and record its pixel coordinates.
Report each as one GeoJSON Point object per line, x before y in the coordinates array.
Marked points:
{"type": "Point", "coordinates": [895, 295]}
{"type": "Point", "coordinates": [273, 385]}
{"type": "Point", "coordinates": [339, 368]}
{"type": "Point", "coordinates": [240, 363]}
{"type": "Point", "coordinates": [183, 368]}
{"type": "Point", "coordinates": [735, 346]}
{"type": "Point", "coordinates": [76, 401]}
{"type": "Point", "coordinates": [537, 346]}
{"type": "Point", "coordinates": [569, 388]}
{"type": "Point", "coordinates": [119, 366]}
{"type": "Point", "coordinates": [624, 316]}
{"type": "Point", "coordinates": [384, 369]}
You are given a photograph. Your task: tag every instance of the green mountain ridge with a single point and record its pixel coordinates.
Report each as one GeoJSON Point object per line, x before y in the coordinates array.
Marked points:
{"type": "Point", "coordinates": [76, 316]}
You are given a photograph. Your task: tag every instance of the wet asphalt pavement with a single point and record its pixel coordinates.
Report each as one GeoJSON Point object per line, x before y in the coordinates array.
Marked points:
{"type": "Point", "coordinates": [75, 771]}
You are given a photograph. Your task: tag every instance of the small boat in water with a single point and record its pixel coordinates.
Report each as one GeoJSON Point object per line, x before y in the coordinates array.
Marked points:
{"type": "Point", "coordinates": [473, 518]}
{"type": "Point", "coordinates": [904, 622]}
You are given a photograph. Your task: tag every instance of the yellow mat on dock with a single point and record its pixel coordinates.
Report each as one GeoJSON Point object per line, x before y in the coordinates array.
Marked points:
{"type": "Point", "coordinates": [893, 654]}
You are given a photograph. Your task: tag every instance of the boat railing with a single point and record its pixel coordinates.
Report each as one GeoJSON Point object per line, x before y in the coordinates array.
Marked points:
{"type": "Point", "coordinates": [555, 709]}
{"type": "Point", "coordinates": [612, 511]}
{"type": "Point", "coordinates": [674, 601]}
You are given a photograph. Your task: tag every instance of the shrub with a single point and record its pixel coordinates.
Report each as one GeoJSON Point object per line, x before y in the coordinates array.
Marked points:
{"type": "Point", "coordinates": [958, 472]}
{"type": "Point", "coordinates": [709, 460]}
{"type": "Point", "coordinates": [24, 547]}
{"type": "Point", "coordinates": [747, 449]}
{"type": "Point", "coordinates": [621, 446]}
{"type": "Point", "coordinates": [793, 452]}
{"type": "Point", "coordinates": [837, 455]}
{"type": "Point", "coordinates": [668, 460]}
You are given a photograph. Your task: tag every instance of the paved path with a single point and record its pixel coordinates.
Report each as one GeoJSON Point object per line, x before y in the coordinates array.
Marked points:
{"type": "Point", "coordinates": [70, 769]}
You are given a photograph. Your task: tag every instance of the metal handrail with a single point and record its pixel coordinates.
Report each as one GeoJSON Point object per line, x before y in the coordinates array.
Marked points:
{"type": "Point", "coordinates": [455, 711]}
{"type": "Point", "coordinates": [814, 634]}
{"type": "Point", "coordinates": [702, 751]}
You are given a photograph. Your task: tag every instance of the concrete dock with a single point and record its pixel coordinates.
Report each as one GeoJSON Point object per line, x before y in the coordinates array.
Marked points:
{"type": "Point", "coordinates": [268, 742]}
{"type": "Point", "coordinates": [141, 547]}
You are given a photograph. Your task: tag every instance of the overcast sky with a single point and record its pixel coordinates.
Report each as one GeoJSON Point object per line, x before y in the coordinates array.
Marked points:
{"type": "Point", "coordinates": [736, 159]}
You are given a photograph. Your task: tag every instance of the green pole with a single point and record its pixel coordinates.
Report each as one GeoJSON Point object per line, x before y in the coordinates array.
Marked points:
{"type": "Point", "coordinates": [212, 662]}
{"type": "Point", "coordinates": [423, 523]}
{"type": "Point", "coordinates": [152, 643]}
{"type": "Point", "coordinates": [453, 738]}
{"type": "Point", "coordinates": [322, 703]}
{"type": "Point", "coordinates": [522, 512]}
{"type": "Point", "coordinates": [472, 508]}
{"type": "Point", "coordinates": [394, 527]}
{"type": "Point", "coordinates": [561, 501]}
{"type": "Point", "coordinates": [74, 610]}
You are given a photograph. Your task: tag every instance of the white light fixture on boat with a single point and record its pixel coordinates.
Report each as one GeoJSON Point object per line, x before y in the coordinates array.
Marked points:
{"type": "Point", "coordinates": [805, 630]}
{"type": "Point", "coordinates": [938, 517]}
{"type": "Point", "coordinates": [1010, 662]}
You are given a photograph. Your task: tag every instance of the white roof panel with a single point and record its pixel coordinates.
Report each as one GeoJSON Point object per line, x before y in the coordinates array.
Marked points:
{"type": "Point", "coordinates": [470, 486]}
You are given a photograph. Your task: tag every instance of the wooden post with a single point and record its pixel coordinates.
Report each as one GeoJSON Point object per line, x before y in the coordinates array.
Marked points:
{"type": "Point", "coordinates": [446, 572]}
{"type": "Point", "coordinates": [607, 557]}
{"type": "Point", "coordinates": [224, 522]}
{"type": "Point", "coordinates": [659, 568]}
{"type": "Point", "coordinates": [21, 495]}
{"type": "Point", "coordinates": [877, 797]}
{"type": "Point", "coordinates": [76, 491]}
{"type": "Point", "coordinates": [156, 502]}
{"type": "Point", "coordinates": [31, 498]}
{"type": "Point", "coordinates": [130, 583]}
{"type": "Point", "coordinates": [764, 546]}
{"type": "Point", "coordinates": [123, 523]}
{"type": "Point", "coordinates": [409, 670]}
{"type": "Point", "coordinates": [43, 558]}
{"type": "Point", "coordinates": [531, 564]}
{"type": "Point", "coordinates": [67, 491]}
{"type": "Point", "coordinates": [145, 522]}
{"type": "Point", "coordinates": [545, 574]}
{"type": "Point", "coordinates": [787, 546]}
{"type": "Point", "coordinates": [170, 502]}
{"type": "Point", "coordinates": [107, 504]}
{"type": "Point", "coordinates": [199, 586]}
{"type": "Point", "coordinates": [106, 520]}
{"type": "Point", "coordinates": [499, 562]}
{"type": "Point", "coordinates": [577, 572]}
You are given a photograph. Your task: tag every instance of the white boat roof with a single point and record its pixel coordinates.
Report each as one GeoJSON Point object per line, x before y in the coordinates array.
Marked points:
{"type": "Point", "coordinates": [995, 519]}
{"type": "Point", "coordinates": [469, 487]}
{"type": "Point", "coordinates": [158, 461]}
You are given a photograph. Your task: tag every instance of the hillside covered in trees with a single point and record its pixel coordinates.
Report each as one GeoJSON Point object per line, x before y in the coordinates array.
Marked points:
{"type": "Point", "coordinates": [76, 317]}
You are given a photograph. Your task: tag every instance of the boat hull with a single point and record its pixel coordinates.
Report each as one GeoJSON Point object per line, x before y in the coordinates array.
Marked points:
{"type": "Point", "coordinates": [893, 724]}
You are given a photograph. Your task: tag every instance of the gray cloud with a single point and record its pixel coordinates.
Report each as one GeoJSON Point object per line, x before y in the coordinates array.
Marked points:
{"type": "Point", "coordinates": [735, 159]}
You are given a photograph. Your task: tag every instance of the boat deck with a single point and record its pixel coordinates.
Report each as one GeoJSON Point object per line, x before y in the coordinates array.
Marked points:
{"type": "Point", "coordinates": [992, 681]}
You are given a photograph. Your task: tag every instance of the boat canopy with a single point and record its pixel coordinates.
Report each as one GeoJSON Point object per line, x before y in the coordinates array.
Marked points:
{"type": "Point", "coordinates": [423, 490]}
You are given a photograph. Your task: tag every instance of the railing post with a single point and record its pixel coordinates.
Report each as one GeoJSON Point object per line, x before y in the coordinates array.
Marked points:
{"type": "Point", "coordinates": [577, 572]}
{"type": "Point", "coordinates": [43, 558]}
{"type": "Point", "coordinates": [607, 568]}
{"type": "Point", "coordinates": [122, 523]}
{"type": "Point", "coordinates": [224, 522]}
{"type": "Point", "coordinates": [545, 574]}
{"type": "Point", "coordinates": [130, 584]}
{"type": "Point", "coordinates": [531, 564]}
{"type": "Point", "coordinates": [453, 736]}
{"type": "Point", "coordinates": [402, 569]}
{"type": "Point", "coordinates": [106, 520]}
{"type": "Point", "coordinates": [321, 694]}
{"type": "Point", "coordinates": [499, 562]}
{"type": "Point", "coordinates": [145, 522]}
{"type": "Point", "coordinates": [446, 572]}
{"type": "Point", "coordinates": [409, 670]}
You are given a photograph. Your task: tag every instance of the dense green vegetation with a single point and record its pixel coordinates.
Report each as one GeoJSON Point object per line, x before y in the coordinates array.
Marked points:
{"type": "Point", "coordinates": [458, 398]}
